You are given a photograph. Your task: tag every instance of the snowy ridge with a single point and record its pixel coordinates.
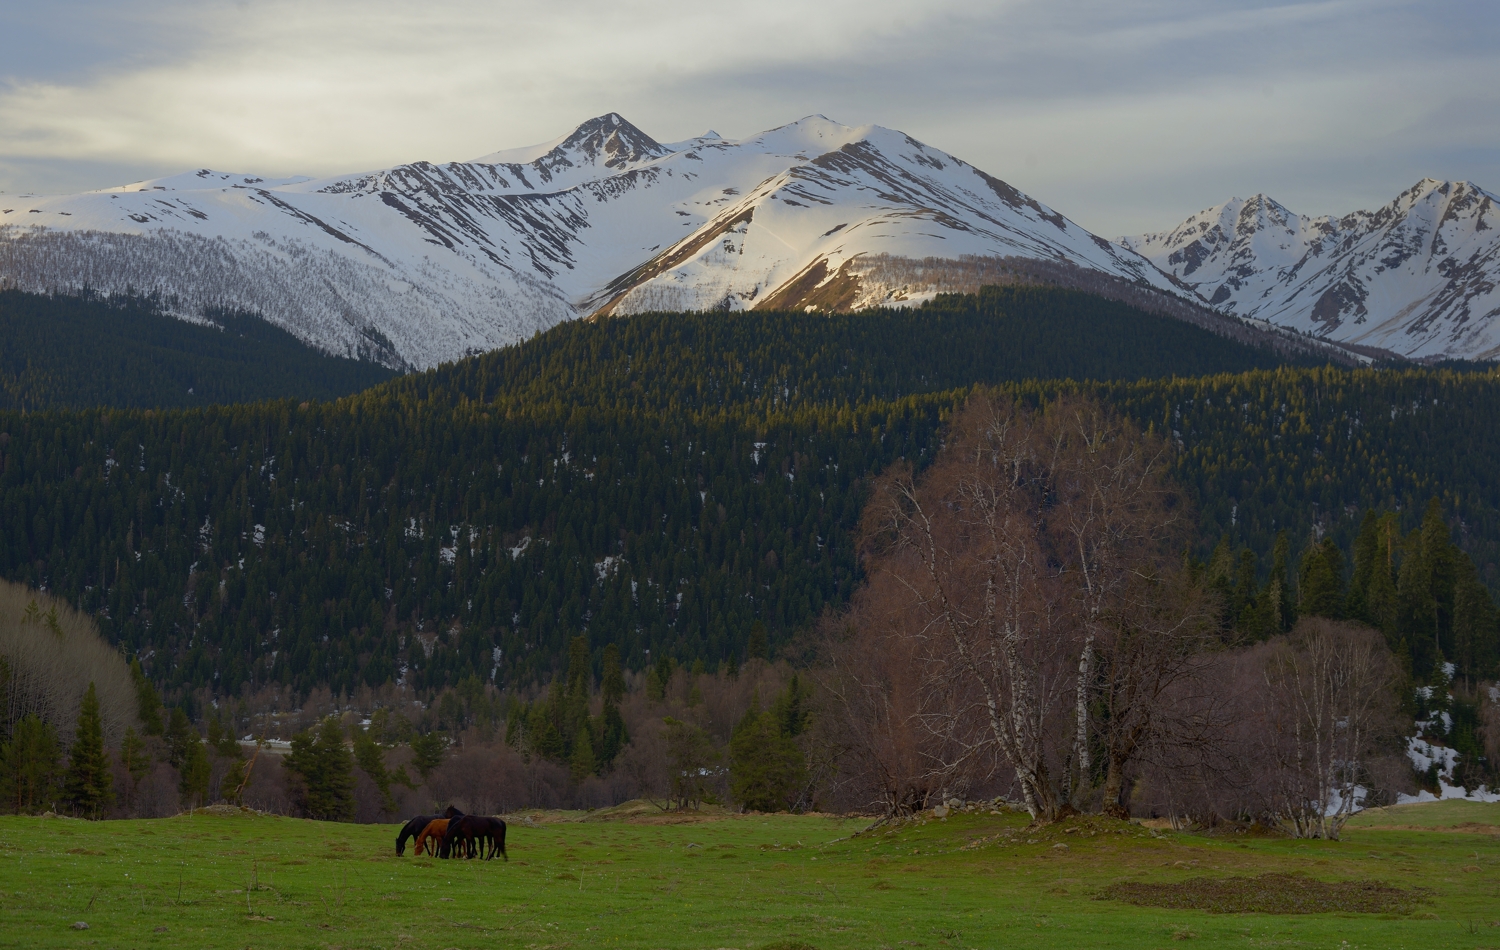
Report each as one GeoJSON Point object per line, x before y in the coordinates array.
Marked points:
{"type": "Point", "coordinates": [424, 262]}
{"type": "Point", "coordinates": [1416, 276]}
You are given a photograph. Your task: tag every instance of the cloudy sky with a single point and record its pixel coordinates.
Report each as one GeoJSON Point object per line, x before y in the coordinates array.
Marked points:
{"type": "Point", "coordinates": [1126, 115]}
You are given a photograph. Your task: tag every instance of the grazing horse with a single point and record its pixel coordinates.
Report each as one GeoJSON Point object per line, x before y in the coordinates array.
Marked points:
{"type": "Point", "coordinates": [471, 830]}
{"type": "Point", "coordinates": [414, 827]}
{"type": "Point", "coordinates": [432, 835]}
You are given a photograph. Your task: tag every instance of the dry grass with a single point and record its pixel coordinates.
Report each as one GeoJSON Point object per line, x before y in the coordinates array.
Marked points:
{"type": "Point", "coordinates": [1270, 894]}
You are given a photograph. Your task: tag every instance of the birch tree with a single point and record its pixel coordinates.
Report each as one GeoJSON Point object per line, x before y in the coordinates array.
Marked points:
{"type": "Point", "coordinates": [1035, 566]}
{"type": "Point", "coordinates": [1330, 699]}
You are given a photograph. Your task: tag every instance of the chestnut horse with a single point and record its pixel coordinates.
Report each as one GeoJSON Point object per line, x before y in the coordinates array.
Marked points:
{"type": "Point", "coordinates": [432, 835]}
{"type": "Point", "coordinates": [414, 827]}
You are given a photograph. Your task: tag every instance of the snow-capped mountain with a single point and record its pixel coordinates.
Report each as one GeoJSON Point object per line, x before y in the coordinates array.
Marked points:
{"type": "Point", "coordinates": [1416, 277]}
{"type": "Point", "coordinates": [422, 263]}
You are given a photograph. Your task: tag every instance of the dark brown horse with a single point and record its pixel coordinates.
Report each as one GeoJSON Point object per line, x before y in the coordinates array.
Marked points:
{"type": "Point", "coordinates": [414, 827]}
{"type": "Point", "coordinates": [472, 830]}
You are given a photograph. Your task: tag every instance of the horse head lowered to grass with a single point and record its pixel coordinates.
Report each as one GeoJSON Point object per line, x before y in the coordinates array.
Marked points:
{"type": "Point", "coordinates": [414, 827]}
{"type": "Point", "coordinates": [471, 830]}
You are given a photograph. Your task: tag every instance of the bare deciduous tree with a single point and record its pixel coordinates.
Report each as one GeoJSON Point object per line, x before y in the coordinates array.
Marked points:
{"type": "Point", "coordinates": [871, 723]}
{"type": "Point", "coordinates": [1329, 699]}
{"type": "Point", "coordinates": [49, 653]}
{"type": "Point", "coordinates": [1033, 564]}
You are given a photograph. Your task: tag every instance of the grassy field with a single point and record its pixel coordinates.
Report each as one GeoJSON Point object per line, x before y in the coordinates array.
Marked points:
{"type": "Point", "coordinates": [970, 880]}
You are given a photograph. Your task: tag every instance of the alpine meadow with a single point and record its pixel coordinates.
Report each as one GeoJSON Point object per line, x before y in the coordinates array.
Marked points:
{"type": "Point", "coordinates": [794, 541]}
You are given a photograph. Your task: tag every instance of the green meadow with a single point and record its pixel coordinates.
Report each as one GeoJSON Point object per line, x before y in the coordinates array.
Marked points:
{"type": "Point", "coordinates": [627, 878]}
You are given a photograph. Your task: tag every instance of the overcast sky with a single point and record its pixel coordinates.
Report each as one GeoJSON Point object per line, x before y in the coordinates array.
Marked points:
{"type": "Point", "coordinates": [1125, 115]}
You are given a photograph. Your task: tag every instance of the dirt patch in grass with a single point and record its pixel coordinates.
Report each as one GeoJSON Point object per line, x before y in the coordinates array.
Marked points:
{"type": "Point", "coordinates": [1270, 894]}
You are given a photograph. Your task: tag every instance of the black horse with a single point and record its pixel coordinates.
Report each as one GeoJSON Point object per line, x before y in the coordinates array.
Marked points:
{"type": "Point", "coordinates": [471, 830]}
{"type": "Point", "coordinates": [414, 827]}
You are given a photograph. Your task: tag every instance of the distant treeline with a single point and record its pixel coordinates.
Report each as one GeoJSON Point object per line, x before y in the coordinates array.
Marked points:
{"type": "Point", "coordinates": [80, 352]}
{"type": "Point", "coordinates": [662, 483]}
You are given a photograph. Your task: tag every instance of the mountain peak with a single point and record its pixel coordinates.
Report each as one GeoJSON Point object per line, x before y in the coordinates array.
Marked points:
{"type": "Point", "coordinates": [609, 137]}
{"type": "Point", "coordinates": [608, 140]}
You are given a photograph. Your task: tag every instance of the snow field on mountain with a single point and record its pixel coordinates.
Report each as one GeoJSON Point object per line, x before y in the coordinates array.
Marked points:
{"type": "Point", "coordinates": [444, 260]}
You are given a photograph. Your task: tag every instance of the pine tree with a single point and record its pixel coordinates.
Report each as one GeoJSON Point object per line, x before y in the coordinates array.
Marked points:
{"type": "Point", "coordinates": [756, 648]}
{"type": "Point", "coordinates": [613, 685]}
{"type": "Point", "coordinates": [1321, 581]}
{"type": "Point", "coordinates": [148, 703]}
{"type": "Point", "coordinates": [613, 736]}
{"type": "Point", "coordinates": [790, 710]}
{"type": "Point", "coordinates": [135, 759]}
{"type": "Point", "coordinates": [181, 737]}
{"type": "Point", "coordinates": [1242, 604]}
{"type": "Point", "coordinates": [371, 759]}
{"type": "Point", "coordinates": [428, 751]}
{"type": "Point", "coordinates": [194, 774]}
{"type": "Point", "coordinates": [325, 768]}
{"type": "Point", "coordinates": [1382, 603]}
{"type": "Point", "coordinates": [579, 677]}
{"type": "Point", "coordinates": [1280, 609]}
{"type": "Point", "coordinates": [88, 788]}
{"type": "Point", "coordinates": [766, 769]}
{"type": "Point", "coordinates": [1367, 557]}
{"type": "Point", "coordinates": [30, 772]}
{"type": "Point", "coordinates": [1416, 607]}
{"type": "Point", "coordinates": [582, 764]}
{"type": "Point", "coordinates": [1476, 625]}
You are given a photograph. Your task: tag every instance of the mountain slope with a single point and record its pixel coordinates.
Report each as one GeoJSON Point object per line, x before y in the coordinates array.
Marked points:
{"type": "Point", "coordinates": [1417, 276]}
{"type": "Point", "coordinates": [423, 263]}
{"type": "Point", "coordinates": [58, 352]}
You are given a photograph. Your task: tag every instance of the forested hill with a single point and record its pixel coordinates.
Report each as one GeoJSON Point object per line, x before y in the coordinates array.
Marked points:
{"type": "Point", "coordinates": [659, 482]}
{"type": "Point", "coordinates": [61, 351]}
{"type": "Point", "coordinates": [759, 361]}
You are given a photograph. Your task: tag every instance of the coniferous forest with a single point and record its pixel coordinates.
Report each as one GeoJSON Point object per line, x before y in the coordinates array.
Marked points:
{"type": "Point", "coordinates": [673, 484]}
{"type": "Point", "coordinates": [79, 352]}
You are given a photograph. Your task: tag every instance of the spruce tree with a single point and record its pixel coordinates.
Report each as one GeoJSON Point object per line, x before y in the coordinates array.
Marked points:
{"type": "Point", "coordinates": [135, 759]}
{"type": "Point", "coordinates": [181, 737]}
{"type": "Point", "coordinates": [147, 701]}
{"type": "Point", "coordinates": [1367, 556]}
{"type": "Point", "coordinates": [371, 759]}
{"type": "Point", "coordinates": [325, 768]}
{"type": "Point", "coordinates": [582, 764]}
{"type": "Point", "coordinates": [1382, 603]}
{"type": "Point", "coordinates": [1321, 581]}
{"type": "Point", "coordinates": [1476, 626]}
{"type": "Point", "coordinates": [30, 773]}
{"type": "Point", "coordinates": [428, 751]}
{"type": "Point", "coordinates": [580, 680]}
{"type": "Point", "coordinates": [1280, 608]}
{"type": "Point", "coordinates": [1419, 597]}
{"type": "Point", "coordinates": [766, 769]}
{"type": "Point", "coordinates": [756, 648]}
{"type": "Point", "coordinates": [88, 787]}
{"type": "Point", "coordinates": [613, 685]}
{"type": "Point", "coordinates": [1242, 604]}
{"type": "Point", "coordinates": [194, 774]}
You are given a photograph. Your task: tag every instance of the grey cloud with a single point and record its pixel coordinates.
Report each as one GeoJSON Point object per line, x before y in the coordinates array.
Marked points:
{"type": "Point", "coordinates": [1124, 115]}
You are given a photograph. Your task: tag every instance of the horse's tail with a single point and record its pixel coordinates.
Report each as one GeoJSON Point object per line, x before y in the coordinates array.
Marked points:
{"type": "Point", "coordinates": [500, 839]}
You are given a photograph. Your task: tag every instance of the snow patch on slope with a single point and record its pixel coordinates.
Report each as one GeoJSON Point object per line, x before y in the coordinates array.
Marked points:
{"type": "Point", "coordinates": [1417, 276]}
